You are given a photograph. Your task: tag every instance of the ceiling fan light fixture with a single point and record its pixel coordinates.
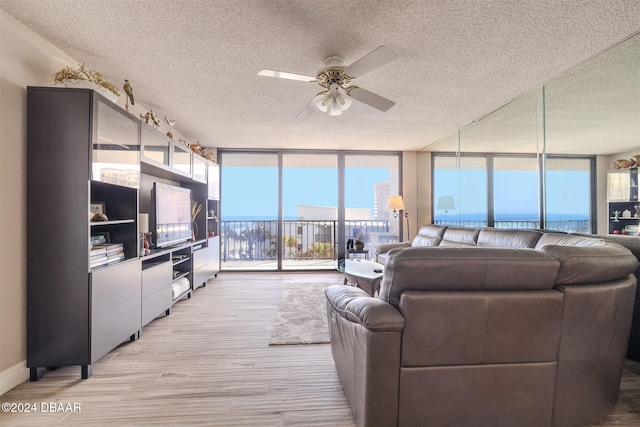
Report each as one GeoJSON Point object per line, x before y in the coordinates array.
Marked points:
{"type": "Point", "coordinates": [333, 102]}
{"type": "Point", "coordinates": [323, 103]}
{"type": "Point", "coordinates": [334, 108]}
{"type": "Point", "coordinates": [344, 101]}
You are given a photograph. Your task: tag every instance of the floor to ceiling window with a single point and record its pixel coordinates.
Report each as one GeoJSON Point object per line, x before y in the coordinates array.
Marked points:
{"type": "Point", "coordinates": [369, 181]}
{"type": "Point", "coordinates": [460, 190]}
{"type": "Point", "coordinates": [310, 210]}
{"type": "Point", "coordinates": [568, 199]}
{"type": "Point", "coordinates": [516, 199]}
{"type": "Point", "coordinates": [507, 192]}
{"type": "Point", "coordinates": [295, 210]}
{"type": "Point", "coordinates": [249, 211]}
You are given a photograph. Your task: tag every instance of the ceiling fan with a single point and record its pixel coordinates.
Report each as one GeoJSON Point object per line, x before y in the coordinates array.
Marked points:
{"type": "Point", "coordinates": [335, 80]}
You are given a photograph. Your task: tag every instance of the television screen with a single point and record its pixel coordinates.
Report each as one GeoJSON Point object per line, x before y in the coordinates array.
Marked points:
{"type": "Point", "coordinates": [172, 214]}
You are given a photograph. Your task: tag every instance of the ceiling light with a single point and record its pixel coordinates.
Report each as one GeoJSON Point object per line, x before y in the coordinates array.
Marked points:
{"type": "Point", "coordinates": [333, 101]}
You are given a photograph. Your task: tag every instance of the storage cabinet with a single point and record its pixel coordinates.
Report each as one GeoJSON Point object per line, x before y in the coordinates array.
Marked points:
{"type": "Point", "coordinates": [181, 160]}
{"type": "Point", "coordinates": [88, 287]}
{"type": "Point", "coordinates": [624, 201]}
{"type": "Point", "coordinates": [199, 168]}
{"type": "Point", "coordinates": [156, 287]}
{"type": "Point", "coordinates": [156, 147]}
{"type": "Point", "coordinates": [76, 313]}
{"type": "Point", "coordinates": [115, 303]}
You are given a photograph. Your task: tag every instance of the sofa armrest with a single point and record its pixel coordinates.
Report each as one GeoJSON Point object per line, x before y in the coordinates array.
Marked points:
{"type": "Point", "coordinates": [383, 248]}
{"type": "Point", "coordinates": [355, 305]}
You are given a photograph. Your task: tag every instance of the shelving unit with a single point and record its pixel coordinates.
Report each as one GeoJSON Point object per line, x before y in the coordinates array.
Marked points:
{"type": "Point", "coordinates": [85, 151]}
{"type": "Point", "coordinates": [76, 314]}
{"type": "Point", "coordinates": [181, 273]}
{"type": "Point", "coordinates": [624, 201]}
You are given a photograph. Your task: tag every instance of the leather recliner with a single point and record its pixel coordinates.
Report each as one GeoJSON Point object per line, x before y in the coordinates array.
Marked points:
{"type": "Point", "coordinates": [489, 335]}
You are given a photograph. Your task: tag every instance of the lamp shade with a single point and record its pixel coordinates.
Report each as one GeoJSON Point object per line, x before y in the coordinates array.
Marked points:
{"type": "Point", "coordinates": [143, 223]}
{"type": "Point", "coordinates": [446, 203]}
{"type": "Point", "coordinates": [396, 203]}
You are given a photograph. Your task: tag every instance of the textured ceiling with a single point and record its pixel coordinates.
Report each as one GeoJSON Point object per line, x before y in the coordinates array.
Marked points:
{"type": "Point", "coordinates": [196, 61]}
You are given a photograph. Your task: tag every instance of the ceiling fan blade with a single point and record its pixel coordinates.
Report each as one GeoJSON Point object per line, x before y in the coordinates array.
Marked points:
{"type": "Point", "coordinates": [283, 75]}
{"type": "Point", "coordinates": [372, 60]}
{"type": "Point", "coordinates": [371, 99]}
{"type": "Point", "coordinates": [309, 109]}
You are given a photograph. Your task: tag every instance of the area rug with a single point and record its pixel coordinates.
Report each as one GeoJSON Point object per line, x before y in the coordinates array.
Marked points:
{"type": "Point", "coordinates": [302, 315]}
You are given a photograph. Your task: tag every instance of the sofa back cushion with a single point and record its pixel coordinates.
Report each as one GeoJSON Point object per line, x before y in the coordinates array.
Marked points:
{"type": "Point", "coordinates": [584, 260]}
{"type": "Point", "coordinates": [466, 269]}
{"type": "Point", "coordinates": [429, 235]}
{"type": "Point", "coordinates": [460, 236]}
{"type": "Point", "coordinates": [506, 238]}
{"type": "Point", "coordinates": [477, 328]}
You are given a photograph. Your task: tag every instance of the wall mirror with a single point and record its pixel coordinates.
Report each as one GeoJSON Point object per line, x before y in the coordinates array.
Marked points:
{"type": "Point", "coordinates": [539, 156]}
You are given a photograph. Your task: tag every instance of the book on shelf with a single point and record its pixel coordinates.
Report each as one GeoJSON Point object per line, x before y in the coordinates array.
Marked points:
{"type": "Point", "coordinates": [105, 254]}
{"type": "Point", "coordinates": [98, 262]}
{"type": "Point", "coordinates": [97, 251]}
{"type": "Point", "coordinates": [98, 239]}
{"type": "Point", "coordinates": [109, 247]}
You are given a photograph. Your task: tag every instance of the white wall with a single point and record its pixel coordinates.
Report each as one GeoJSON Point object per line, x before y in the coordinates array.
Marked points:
{"type": "Point", "coordinates": [410, 191]}
{"type": "Point", "coordinates": [424, 189]}
{"type": "Point", "coordinates": [25, 59]}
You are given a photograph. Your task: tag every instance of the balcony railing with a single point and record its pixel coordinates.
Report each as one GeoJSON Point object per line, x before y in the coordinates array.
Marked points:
{"type": "Point", "coordinates": [567, 226]}
{"type": "Point", "coordinates": [258, 240]}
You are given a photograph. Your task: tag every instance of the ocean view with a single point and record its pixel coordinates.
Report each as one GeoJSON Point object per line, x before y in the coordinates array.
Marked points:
{"type": "Point", "coordinates": [459, 217]}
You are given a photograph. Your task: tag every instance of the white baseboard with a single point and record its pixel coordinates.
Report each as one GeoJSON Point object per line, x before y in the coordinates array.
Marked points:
{"type": "Point", "coordinates": [15, 375]}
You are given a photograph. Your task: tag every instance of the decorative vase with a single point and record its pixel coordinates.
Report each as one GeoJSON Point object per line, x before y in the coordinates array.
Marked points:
{"type": "Point", "coordinates": [195, 231]}
{"type": "Point", "coordinates": [359, 246]}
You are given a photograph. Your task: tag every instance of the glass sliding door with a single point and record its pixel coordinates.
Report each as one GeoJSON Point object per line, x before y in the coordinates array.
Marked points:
{"type": "Point", "coordinates": [309, 210]}
{"type": "Point", "coordinates": [369, 180]}
{"type": "Point", "coordinates": [294, 210]}
{"type": "Point", "coordinates": [249, 211]}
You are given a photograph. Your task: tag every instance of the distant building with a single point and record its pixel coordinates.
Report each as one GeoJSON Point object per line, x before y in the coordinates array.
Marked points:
{"type": "Point", "coordinates": [380, 198]}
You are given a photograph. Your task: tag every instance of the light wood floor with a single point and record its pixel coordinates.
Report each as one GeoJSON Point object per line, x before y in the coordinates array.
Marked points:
{"type": "Point", "coordinates": [209, 364]}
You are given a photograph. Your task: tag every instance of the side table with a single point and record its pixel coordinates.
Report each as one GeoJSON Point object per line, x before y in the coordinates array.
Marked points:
{"type": "Point", "coordinates": [364, 252]}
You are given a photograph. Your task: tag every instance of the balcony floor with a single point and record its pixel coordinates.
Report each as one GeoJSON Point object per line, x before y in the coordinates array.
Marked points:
{"type": "Point", "coordinates": [287, 264]}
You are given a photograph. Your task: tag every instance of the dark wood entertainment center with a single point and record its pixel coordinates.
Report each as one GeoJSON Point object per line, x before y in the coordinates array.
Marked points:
{"type": "Point", "coordinates": [84, 152]}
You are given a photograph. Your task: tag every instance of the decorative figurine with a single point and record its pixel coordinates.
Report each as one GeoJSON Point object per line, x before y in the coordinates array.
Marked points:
{"type": "Point", "coordinates": [129, 91]}
{"type": "Point", "coordinates": [171, 124]}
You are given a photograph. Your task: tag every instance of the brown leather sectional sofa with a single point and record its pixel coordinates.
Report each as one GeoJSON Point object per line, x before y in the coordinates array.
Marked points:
{"type": "Point", "coordinates": [487, 327]}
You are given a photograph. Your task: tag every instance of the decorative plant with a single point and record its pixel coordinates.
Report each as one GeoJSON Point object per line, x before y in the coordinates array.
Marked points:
{"type": "Point", "coordinates": [359, 244]}
{"type": "Point", "coordinates": [83, 73]}
{"type": "Point", "coordinates": [195, 209]}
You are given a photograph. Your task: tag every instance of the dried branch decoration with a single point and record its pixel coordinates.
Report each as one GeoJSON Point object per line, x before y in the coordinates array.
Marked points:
{"type": "Point", "coordinates": [195, 209]}
{"type": "Point", "coordinates": [82, 73]}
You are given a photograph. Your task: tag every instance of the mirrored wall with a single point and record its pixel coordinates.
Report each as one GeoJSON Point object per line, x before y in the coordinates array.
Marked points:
{"type": "Point", "coordinates": [542, 160]}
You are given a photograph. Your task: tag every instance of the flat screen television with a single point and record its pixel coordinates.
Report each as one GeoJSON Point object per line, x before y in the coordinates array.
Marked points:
{"type": "Point", "coordinates": [172, 214]}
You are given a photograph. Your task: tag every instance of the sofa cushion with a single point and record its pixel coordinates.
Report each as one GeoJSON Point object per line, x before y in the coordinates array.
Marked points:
{"type": "Point", "coordinates": [429, 235]}
{"type": "Point", "coordinates": [466, 269]}
{"type": "Point", "coordinates": [470, 328]}
{"type": "Point", "coordinates": [460, 236]}
{"type": "Point", "coordinates": [584, 260]}
{"type": "Point", "coordinates": [506, 238]}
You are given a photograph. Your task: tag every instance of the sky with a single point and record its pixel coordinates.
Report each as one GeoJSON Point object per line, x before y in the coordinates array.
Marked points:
{"type": "Point", "coordinates": [253, 191]}
{"type": "Point", "coordinates": [516, 192]}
